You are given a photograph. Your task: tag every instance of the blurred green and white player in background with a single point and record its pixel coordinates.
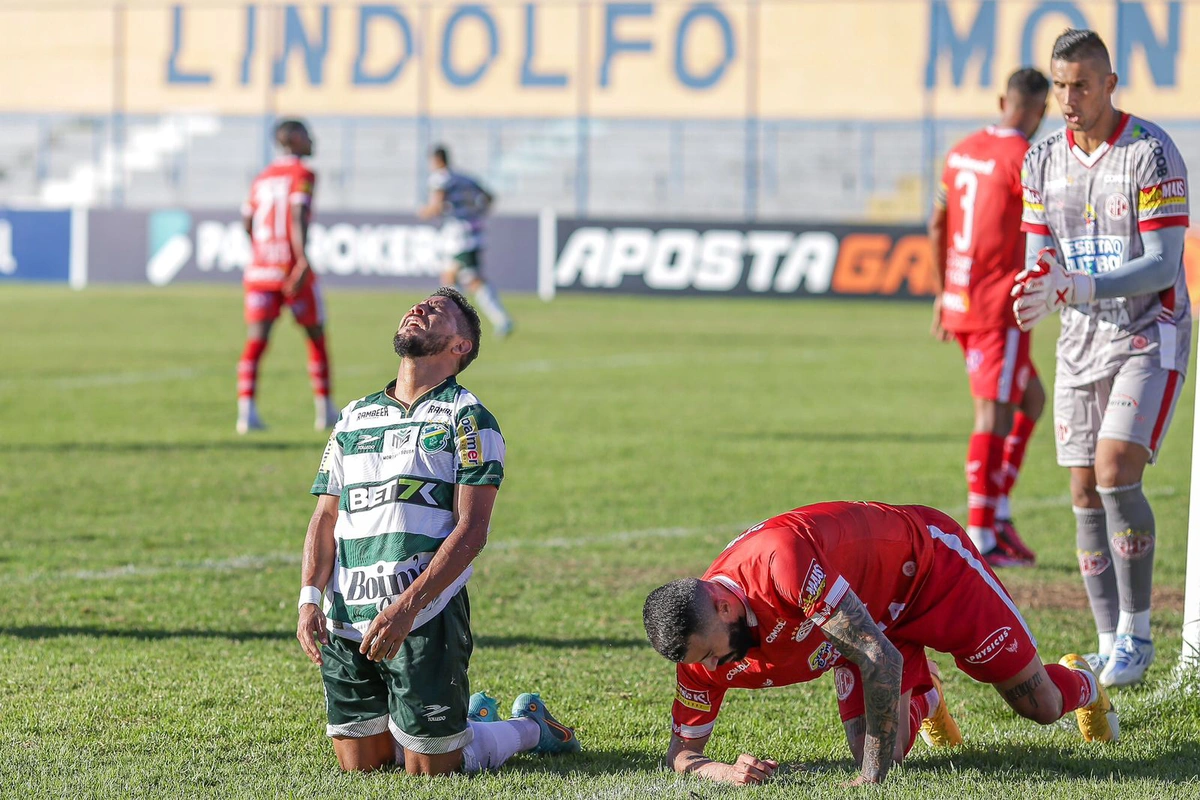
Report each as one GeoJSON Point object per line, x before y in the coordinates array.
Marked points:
{"type": "Point", "coordinates": [462, 203]}
{"type": "Point", "coordinates": [404, 502]}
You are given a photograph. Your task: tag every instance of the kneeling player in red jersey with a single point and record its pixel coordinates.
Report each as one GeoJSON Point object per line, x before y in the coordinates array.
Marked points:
{"type": "Point", "coordinates": [862, 588]}
{"type": "Point", "coordinates": [975, 233]}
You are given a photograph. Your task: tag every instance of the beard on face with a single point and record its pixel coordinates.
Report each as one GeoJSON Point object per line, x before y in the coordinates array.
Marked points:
{"type": "Point", "coordinates": [741, 639]}
{"type": "Point", "coordinates": [417, 344]}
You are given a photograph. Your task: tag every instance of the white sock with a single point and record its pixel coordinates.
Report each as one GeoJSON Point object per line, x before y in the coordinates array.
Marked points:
{"type": "Point", "coordinates": [1003, 511]}
{"type": "Point", "coordinates": [489, 301]}
{"type": "Point", "coordinates": [932, 698]}
{"type": "Point", "coordinates": [497, 742]}
{"type": "Point", "coordinates": [1137, 623]}
{"type": "Point", "coordinates": [246, 408]}
{"type": "Point", "coordinates": [1093, 688]}
{"type": "Point", "coordinates": [983, 538]}
{"type": "Point", "coordinates": [1106, 643]}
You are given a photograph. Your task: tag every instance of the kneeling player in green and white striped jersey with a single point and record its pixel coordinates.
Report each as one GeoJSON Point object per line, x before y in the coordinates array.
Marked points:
{"type": "Point", "coordinates": [405, 493]}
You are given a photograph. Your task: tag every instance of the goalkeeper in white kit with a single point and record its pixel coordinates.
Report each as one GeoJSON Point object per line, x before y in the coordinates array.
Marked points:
{"type": "Point", "coordinates": [1105, 213]}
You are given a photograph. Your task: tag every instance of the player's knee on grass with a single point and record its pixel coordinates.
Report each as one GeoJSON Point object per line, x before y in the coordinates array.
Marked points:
{"type": "Point", "coordinates": [431, 765]}
{"type": "Point", "coordinates": [364, 754]}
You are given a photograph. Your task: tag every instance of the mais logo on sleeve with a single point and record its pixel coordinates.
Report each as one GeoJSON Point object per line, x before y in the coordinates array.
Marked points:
{"type": "Point", "coordinates": [697, 701]}
{"type": "Point", "coordinates": [1166, 196]}
{"type": "Point", "coordinates": [814, 587]}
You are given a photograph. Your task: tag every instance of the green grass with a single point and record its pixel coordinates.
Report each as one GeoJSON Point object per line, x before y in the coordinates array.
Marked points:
{"type": "Point", "coordinates": [150, 557]}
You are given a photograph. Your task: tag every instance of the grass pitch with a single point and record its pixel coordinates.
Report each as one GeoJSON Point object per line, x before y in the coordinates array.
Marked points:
{"type": "Point", "coordinates": [151, 557]}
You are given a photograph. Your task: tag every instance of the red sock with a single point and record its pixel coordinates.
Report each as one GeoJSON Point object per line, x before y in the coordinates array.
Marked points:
{"type": "Point", "coordinates": [318, 367]}
{"type": "Point", "coordinates": [985, 454]}
{"type": "Point", "coordinates": [1014, 450]}
{"type": "Point", "coordinates": [918, 710]}
{"type": "Point", "coordinates": [1076, 690]}
{"type": "Point", "coordinates": [248, 367]}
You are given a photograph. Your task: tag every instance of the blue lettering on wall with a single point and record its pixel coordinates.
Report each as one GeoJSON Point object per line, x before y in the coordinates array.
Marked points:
{"type": "Point", "coordinates": [943, 38]}
{"type": "Point", "coordinates": [366, 14]}
{"type": "Point", "coordinates": [174, 74]}
{"type": "Point", "coordinates": [462, 13]}
{"type": "Point", "coordinates": [528, 76]}
{"type": "Point", "coordinates": [314, 50]}
{"type": "Point", "coordinates": [1162, 55]}
{"type": "Point", "coordinates": [698, 12]}
{"type": "Point", "coordinates": [613, 45]}
{"type": "Point", "coordinates": [1075, 19]}
{"type": "Point", "coordinates": [251, 41]}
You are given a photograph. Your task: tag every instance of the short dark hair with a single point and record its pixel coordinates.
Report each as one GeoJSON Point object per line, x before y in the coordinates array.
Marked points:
{"type": "Point", "coordinates": [287, 127]}
{"type": "Point", "coordinates": [441, 154]}
{"type": "Point", "coordinates": [673, 613]}
{"type": "Point", "coordinates": [1028, 82]}
{"type": "Point", "coordinates": [474, 329]}
{"type": "Point", "coordinates": [1075, 44]}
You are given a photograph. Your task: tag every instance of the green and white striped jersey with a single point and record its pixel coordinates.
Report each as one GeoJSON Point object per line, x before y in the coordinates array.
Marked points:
{"type": "Point", "coordinates": [394, 472]}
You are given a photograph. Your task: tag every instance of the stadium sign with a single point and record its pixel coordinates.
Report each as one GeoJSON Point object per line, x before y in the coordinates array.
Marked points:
{"type": "Point", "coordinates": [739, 259]}
{"type": "Point", "coordinates": [184, 246]}
{"type": "Point", "coordinates": [36, 245]}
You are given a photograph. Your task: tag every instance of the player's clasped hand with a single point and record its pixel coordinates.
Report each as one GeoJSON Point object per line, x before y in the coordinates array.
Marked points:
{"type": "Point", "coordinates": [748, 770]}
{"type": "Point", "coordinates": [1048, 287]}
{"type": "Point", "coordinates": [310, 630]}
{"type": "Point", "coordinates": [388, 631]}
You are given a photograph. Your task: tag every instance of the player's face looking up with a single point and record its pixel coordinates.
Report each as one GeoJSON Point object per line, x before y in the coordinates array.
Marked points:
{"type": "Point", "coordinates": [1084, 91]}
{"type": "Point", "coordinates": [428, 329]}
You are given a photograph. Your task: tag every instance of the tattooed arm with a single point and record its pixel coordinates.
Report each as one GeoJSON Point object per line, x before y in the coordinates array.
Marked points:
{"type": "Point", "coordinates": [859, 639]}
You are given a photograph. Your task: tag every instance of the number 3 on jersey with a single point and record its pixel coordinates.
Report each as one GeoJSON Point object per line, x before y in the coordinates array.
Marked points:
{"type": "Point", "coordinates": [968, 182]}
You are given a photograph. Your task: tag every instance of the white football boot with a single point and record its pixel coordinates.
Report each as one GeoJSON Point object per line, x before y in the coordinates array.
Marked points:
{"type": "Point", "coordinates": [327, 414]}
{"type": "Point", "coordinates": [1130, 659]}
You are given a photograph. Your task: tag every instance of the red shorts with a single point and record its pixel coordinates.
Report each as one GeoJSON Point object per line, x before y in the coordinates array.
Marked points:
{"type": "Point", "coordinates": [998, 363]}
{"type": "Point", "coordinates": [961, 609]}
{"type": "Point", "coordinates": [266, 305]}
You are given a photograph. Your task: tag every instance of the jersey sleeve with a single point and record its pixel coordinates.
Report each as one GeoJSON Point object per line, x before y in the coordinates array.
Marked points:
{"type": "Point", "coordinates": [1033, 209]}
{"type": "Point", "coordinates": [304, 182]}
{"type": "Point", "coordinates": [439, 180]}
{"type": "Point", "coordinates": [941, 191]}
{"type": "Point", "coordinates": [479, 447]}
{"type": "Point", "coordinates": [694, 712]}
{"type": "Point", "coordinates": [1162, 187]}
{"type": "Point", "coordinates": [803, 578]}
{"type": "Point", "coordinates": [329, 474]}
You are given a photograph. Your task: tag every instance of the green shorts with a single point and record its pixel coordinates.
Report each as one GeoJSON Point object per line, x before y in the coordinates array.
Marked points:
{"type": "Point", "coordinates": [468, 264]}
{"type": "Point", "coordinates": [421, 695]}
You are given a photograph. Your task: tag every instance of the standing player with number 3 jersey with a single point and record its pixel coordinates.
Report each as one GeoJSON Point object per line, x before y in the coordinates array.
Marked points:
{"type": "Point", "coordinates": [276, 217]}
{"type": "Point", "coordinates": [978, 247]}
{"type": "Point", "coordinates": [1106, 210]}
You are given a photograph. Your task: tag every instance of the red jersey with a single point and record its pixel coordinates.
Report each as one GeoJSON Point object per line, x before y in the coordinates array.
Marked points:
{"type": "Point", "coordinates": [985, 248]}
{"type": "Point", "coordinates": [791, 572]}
{"type": "Point", "coordinates": [287, 181]}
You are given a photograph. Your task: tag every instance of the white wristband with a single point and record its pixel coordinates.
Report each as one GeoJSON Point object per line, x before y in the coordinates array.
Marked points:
{"type": "Point", "coordinates": [310, 594]}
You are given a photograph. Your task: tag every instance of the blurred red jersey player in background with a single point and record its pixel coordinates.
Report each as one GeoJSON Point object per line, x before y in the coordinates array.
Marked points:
{"type": "Point", "coordinates": [978, 247]}
{"type": "Point", "coordinates": [276, 216]}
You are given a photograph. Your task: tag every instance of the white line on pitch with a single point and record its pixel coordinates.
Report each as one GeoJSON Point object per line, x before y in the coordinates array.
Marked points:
{"type": "Point", "coordinates": [582, 541]}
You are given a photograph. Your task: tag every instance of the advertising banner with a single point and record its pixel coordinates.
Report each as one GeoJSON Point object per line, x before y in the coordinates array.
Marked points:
{"type": "Point", "coordinates": [718, 258]}
{"type": "Point", "coordinates": [35, 245]}
{"type": "Point", "coordinates": [346, 250]}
